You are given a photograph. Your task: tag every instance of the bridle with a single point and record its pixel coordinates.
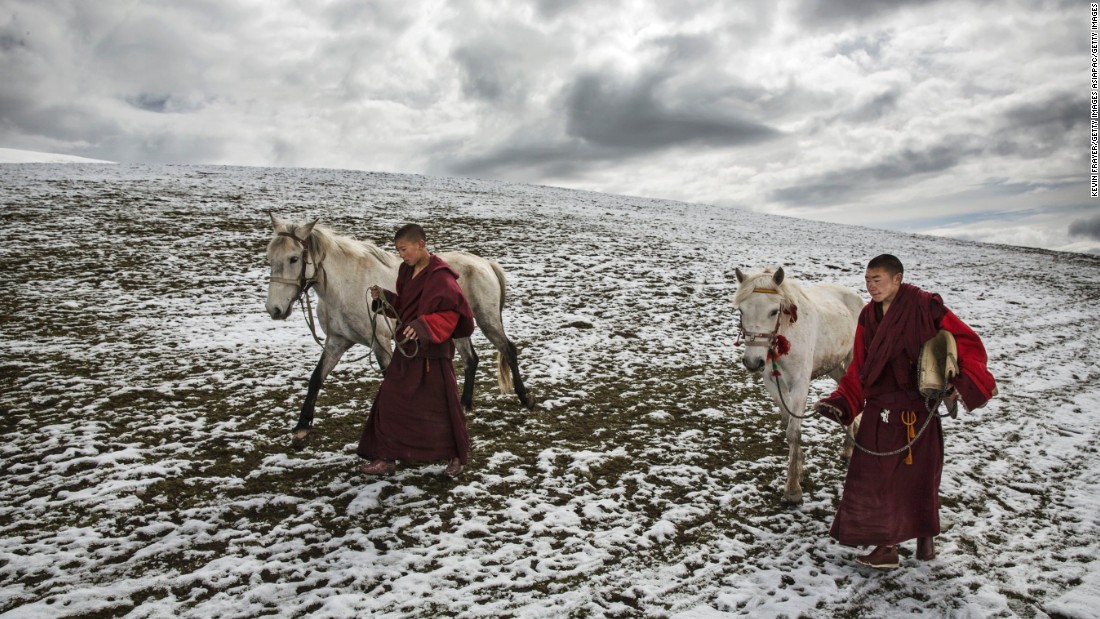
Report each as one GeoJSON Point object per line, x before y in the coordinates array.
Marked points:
{"type": "Point", "coordinates": [777, 344]}
{"type": "Point", "coordinates": [772, 340]}
{"type": "Point", "coordinates": [303, 283]}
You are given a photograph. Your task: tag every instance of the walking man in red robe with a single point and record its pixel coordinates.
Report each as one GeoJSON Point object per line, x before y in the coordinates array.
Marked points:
{"type": "Point", "coordinates": [417, 415]}
{"type": "Point", "coordinates": [892, 499]}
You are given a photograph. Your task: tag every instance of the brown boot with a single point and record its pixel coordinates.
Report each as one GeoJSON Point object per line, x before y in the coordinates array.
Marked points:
{"type": "Point", "coordinates": [882, 557]}
{"type": "Point", "coordinates": [454, 468]}
{"type": "Point", "coordinates": [926, 548]}
{"type": "Point", "coordinates": [378, 467]}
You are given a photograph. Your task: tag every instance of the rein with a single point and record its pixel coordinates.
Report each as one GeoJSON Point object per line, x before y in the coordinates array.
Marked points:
{"type": "Point", "coordinates": [910, 423]}
{"type": "Point", "coordinates": [387, 308]}
{"type": "Point", "coordinates": [304, 284]}
{"type": "Point", "coordinates": [777, 344]}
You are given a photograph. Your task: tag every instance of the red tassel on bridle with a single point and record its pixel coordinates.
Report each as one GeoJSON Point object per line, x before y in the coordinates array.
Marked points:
{"type": "Point", "coordinates": [792, 311]}
{"type": "Point", "coordinates": [780, 346]}
{"type": "Point", "coordinates": [777, 344]}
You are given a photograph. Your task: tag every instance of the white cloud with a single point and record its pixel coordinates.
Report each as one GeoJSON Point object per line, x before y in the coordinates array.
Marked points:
{"type": "Point", "coordinates": [882, 115]}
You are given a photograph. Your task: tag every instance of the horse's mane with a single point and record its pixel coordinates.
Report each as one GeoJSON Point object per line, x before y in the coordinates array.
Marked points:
{"type": "Point", "coordinates": [327, 241]}
{"type": "Point", "coordinates": [789, 289]}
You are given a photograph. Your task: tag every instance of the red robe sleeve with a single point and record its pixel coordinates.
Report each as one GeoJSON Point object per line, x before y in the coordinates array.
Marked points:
{"type": "Point", "coordinates": [843, 404]}
{"type": "Point", "coordinates": [975, 384]}
{"type": "Point", "coordinates": [436, 327]}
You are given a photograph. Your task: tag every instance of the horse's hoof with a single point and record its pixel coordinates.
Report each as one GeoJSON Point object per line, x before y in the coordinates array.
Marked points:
{"type": "Point", "coordinates": [299, 438]}
{"type": "Point", "coordinates": [529, 402]}
{"type": "Point", "coordinates": [792, 501]}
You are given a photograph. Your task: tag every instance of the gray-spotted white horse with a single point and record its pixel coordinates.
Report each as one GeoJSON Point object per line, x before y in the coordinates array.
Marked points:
{"type": "Point", "coordinates": [341, 270]}
{"type": "Point", "coordinates": [793, 335]}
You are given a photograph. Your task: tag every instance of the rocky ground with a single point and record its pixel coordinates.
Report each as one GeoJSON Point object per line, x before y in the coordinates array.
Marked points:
{"type": "Point", "coordinates": [147, 401]}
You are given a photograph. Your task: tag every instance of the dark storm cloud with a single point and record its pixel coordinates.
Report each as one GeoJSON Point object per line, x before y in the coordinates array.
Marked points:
{"type": "Point", "coordinates": [631, 118]}
{"type": "Point", "coordinates": [852, 182]}
{"type": "Point", "coordinates": [1039, 128]}
{"type": "Point", "coordinates": [876, 108]}
{"type": "Point", "coordinates": [684, 48]}
{"type": "Point", "coordinates": [609, 120]}
{"type": "Point", "coordinates": [498, 68]}
{"type": "Point", "coordinates": [1028, 130]}
{"type": "Point", "coordinates": [561, 160]}
{"type": "Point", "coordinates": [554, 8]}
{"type": "Point", "coordinates": [832, 12]}
{"type": "Point", "coordinates": [481, 74]}
{"type": "Point", "coordinates": [1088, 227]}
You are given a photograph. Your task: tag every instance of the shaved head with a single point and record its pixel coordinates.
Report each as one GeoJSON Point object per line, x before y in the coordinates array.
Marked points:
{"type": "Point", "coordinates": [410, 232]}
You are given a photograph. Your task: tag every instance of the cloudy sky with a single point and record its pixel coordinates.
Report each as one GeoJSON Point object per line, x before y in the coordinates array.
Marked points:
{"type": "Point", "coordinates": [963, 118]}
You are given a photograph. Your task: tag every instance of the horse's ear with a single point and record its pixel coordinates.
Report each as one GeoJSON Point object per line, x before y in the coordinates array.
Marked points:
{"type": "Point", "coordinates": [276, 223]}
{"type": "Point", "coordinates": [778, 277]}
{"type": "Point", "coordinates": [308, 228]}
{"type": "Point", "coordinates": [740, 275]}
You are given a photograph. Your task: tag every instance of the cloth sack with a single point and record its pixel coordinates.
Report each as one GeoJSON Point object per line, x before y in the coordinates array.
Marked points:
{"type": "Point", "coordinates": [937, 367]}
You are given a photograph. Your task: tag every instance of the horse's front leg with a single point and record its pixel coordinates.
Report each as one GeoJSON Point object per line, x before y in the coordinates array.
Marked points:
{"type": "Point", "coordinates": [792, 407]}
{"type": "Point", "coordinates": [793, 492]}
{"type": "Point", "coordinates": [335, 347]}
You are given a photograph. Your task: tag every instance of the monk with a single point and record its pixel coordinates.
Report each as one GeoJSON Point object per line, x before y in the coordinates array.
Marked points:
{"type": "Point", "coordinates": [416, 415]}
{"type": "Point", "coordinates": [892, 499]}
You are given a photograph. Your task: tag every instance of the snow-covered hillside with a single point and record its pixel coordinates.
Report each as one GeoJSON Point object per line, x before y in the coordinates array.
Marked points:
{"type": "Point", "coordinates": [12, 155]}
{"type": "Point", "coordinates": [147, 400]}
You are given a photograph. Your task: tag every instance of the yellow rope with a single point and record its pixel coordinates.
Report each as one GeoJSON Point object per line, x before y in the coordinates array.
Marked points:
{"type": "Point", "coordinates": [909, 418]}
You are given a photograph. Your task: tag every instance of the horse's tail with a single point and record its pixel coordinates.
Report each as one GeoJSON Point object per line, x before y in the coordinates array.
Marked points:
{"type": "Point", "coordinates": [504, 375]}
{"type": "Point", "coordinates": [500, 280]}
{"type": "Point", "coordinates": [504, 370]}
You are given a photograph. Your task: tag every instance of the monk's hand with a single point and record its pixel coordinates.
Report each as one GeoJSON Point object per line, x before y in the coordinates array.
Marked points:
{"type": "Point", "coordinates": [826, 410]}
{"type": "Point", "coordinates": [409, 333]}
{"type": "Point", "coordinates": [952, 395]}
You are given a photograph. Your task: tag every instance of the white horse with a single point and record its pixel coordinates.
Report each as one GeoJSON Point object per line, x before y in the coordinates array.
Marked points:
{"type": "Point", "coordinates": [341, 270]}
{"type": "Point", "coordinates": [793, 335]}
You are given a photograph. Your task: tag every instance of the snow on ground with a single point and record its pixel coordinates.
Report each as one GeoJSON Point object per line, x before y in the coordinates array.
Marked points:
{"type": "Point", "coordinates": [147, 400]}
{"type": "Point", "coordinates": [12, 155]}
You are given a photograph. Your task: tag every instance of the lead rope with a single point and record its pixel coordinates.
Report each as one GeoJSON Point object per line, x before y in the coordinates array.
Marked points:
{"type": "Point", "coordinates": [385, 308]}
{"type": "Point", "coordinates": [932, 412]}
{"type": "Point", "coordinates": [307, 312]}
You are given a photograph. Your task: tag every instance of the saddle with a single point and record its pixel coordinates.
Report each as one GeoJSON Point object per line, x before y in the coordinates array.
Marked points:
{"type": "Point", "coordinates": [937, 367]}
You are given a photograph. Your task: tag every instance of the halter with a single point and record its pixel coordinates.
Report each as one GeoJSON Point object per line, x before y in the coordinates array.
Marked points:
{"type": "Point", "coordinates": [777, 344]}
{"type": "Point", "coordinates": [303, 283]}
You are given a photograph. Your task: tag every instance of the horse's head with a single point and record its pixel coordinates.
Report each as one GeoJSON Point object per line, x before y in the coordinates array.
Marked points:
{"type": "Point", "coordinates": [288, 254]}
{"type": "Point", "coordinates": [761, 304]}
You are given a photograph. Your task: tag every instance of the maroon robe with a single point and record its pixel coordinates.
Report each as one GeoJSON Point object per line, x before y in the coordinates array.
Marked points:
{"type": "Point", "coordinates": [416, 414]}
{"type": "Point", "coordinates": [886, 501]}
